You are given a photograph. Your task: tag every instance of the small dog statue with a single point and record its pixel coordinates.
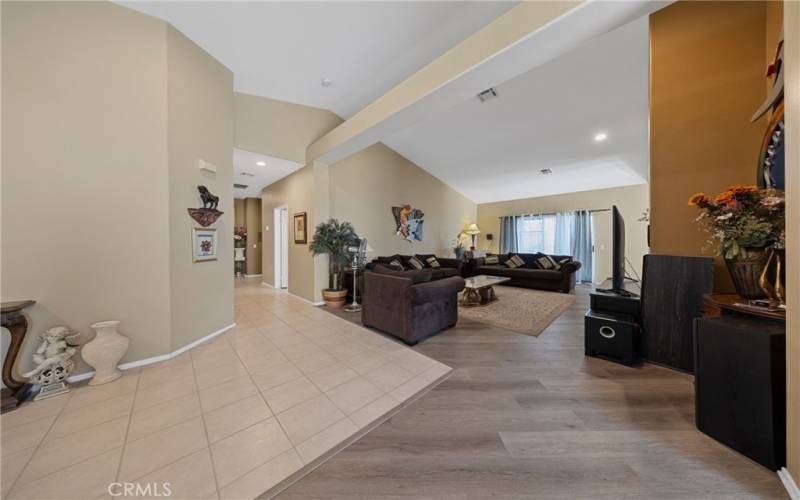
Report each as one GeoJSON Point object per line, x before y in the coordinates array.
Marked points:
{"type": "Point", "coordinates": [210, 201]}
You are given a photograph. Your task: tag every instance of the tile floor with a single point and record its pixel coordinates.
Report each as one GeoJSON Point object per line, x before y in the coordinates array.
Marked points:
{"type": "Point", "coordinates": [243, 414]}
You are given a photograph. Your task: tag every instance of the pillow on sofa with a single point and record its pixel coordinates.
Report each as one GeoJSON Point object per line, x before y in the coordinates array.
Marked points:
{"type": "Point", "coordinates": [415, 263]}
{"type": "Point", "coordinates": [432, 262]}
{"type": "Point", "coordinates": [491, 260]}
{"type": "Point", "coordinates": [546, 262]}
{"type": "Point", "coordinates": [514, 261]}
{"type": "Point", "coordinates": [421, 276]}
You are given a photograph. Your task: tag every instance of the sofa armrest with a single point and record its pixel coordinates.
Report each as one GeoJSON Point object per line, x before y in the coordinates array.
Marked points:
{"type": "Point", "coordinates": [433, 290]}
{"type": "Point", "coordinates": [571, 266]}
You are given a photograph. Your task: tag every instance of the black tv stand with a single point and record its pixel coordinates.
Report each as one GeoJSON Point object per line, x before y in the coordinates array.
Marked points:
{"type": "Point", "coordinates": [616, 291]}
{"type": "Point", "coordinates": [612, 325]}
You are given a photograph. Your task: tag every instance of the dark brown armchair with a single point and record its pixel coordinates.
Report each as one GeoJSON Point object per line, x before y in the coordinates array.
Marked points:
{"type": "Point", "coordinates": [407, 310]}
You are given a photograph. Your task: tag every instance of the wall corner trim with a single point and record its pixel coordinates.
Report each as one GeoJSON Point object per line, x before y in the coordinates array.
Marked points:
{"type": "Point", "coordinates": [789, 484]}
{"type": "Point", "coordinates": [321, 303]}
{"type": "Point", "coordinates": [156, 359]}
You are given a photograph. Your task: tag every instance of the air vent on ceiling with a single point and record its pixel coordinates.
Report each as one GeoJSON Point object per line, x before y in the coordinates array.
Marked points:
{"type": "Point", "coordinates": [546, 171]}
{"type": "Point", "coordinates": [487, 94]}
{"type": "Point", "coordinates": [239, 186]}
{"type": "Point", "coordinates": [247, 174]}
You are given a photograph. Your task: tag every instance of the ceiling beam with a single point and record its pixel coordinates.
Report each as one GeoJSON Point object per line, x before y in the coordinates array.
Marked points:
{"type": "Point", "coordinates": [526, 36]}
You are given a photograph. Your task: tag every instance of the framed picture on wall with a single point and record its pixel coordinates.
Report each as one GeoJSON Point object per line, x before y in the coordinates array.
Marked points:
{"type": "Point", "coordinates": [204, 244]}
{"type": "Point", "coordinates": [300, 234]}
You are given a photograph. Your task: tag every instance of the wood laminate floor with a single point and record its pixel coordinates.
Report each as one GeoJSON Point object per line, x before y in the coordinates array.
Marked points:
{"type": "Point", "coordinates": [527, 417]}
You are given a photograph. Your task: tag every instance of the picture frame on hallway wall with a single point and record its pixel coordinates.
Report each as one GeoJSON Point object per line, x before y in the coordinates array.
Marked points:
{"type": "Point", "coordinates": [300, 228]}
{"type": "Point", "coordinates": [204, 244]}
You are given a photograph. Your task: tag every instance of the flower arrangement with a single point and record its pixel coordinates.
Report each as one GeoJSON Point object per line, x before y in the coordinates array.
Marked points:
{"type": "Point", "coordinates": [240, 233]}
{"type": "Point", "coordinates": [742, 218]}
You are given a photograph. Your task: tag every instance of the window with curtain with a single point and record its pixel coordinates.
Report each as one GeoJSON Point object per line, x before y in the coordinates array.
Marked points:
{"type": "Point", "coordinates": [567, 233]}
{"type": "Point", "coordinates": [550, 233]}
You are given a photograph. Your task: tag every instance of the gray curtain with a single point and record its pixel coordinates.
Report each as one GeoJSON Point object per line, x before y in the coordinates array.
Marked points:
{"type": "Point", "coordinates": [582, 244]}
{"type": "Point", "coordinates": [508, 234]}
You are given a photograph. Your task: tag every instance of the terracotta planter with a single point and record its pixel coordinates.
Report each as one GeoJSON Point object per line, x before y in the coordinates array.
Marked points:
{"type": "Point", "coordinates": [334, 298]}
{"type": "Point", "coordinates": [104, 352]}
{"type": "Point", "coordinates": [746, 272]}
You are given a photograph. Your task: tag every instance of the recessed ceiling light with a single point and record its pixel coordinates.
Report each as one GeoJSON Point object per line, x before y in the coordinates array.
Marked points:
{"type": "Point", "coordinates": [600, 137]}
{"type": "Point", "coordinates": [261, 163]}
{"type": "Point", "coordinates": [326, 82]}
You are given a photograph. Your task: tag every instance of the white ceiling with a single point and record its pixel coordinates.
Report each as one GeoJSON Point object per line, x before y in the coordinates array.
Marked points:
{"type": "Point", "coordinates": [283, 50]}
{"type": "Point", "coordinates": [546, 118]}
{"type": "Point", "coordinates": [244, 163]}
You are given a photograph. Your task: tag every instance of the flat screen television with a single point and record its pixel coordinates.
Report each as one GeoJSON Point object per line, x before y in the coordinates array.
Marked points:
{"type": "Point", "coordinates": [618, 255]}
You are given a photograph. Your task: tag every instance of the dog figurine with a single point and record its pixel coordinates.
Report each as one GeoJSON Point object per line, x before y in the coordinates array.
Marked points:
{"type": "Point", "coordinates": [209, 200]}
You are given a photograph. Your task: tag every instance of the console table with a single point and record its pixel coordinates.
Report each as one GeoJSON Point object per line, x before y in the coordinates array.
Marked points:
{"type": "Point", "coordinates": [17, 325]}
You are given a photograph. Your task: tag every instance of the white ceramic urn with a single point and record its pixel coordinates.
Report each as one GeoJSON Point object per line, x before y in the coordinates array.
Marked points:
{"type": "Point", "coordinates": [104, 352]}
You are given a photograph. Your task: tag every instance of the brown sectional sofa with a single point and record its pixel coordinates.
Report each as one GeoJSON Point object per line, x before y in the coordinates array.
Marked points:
{"type": "Point", "coordinates": [529, 276]}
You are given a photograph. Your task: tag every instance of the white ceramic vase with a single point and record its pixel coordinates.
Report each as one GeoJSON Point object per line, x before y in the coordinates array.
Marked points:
{"type": "Point", "coordinates": [104, 352]}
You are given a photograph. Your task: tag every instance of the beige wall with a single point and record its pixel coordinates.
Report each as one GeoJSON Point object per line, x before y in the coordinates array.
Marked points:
{"type": "Point", "coordinates": [792, 104]}
{"type": "Point", "coordinates": [104, 115]}
{"type": "Point", "coordinates": [278, 128]}
{"type": "Point", "coordinates": [706, 80]}
{"type": "Point", "coordinates": [200, 104]}
{"type": "Point", "coordinates": [85, 194]}
{"type": "Point", "coordinates": [296, 191]}
{"type": "Point", "coordinates": [252, 207]}
{"type": "Point", "coordinates": [631, 201]}
{"type": "Point", "coordinates": [238, 212]}
{"type": "Point", "coordinates": [364, 187]}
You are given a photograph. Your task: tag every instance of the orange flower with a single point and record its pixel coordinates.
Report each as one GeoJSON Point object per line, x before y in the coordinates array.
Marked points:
{"type": "Point", "coordinates": [725, 197]}
{"type": "Point", "coordinates": [742, 189]}
{"type": "Point", "coordinates": [698, 199]}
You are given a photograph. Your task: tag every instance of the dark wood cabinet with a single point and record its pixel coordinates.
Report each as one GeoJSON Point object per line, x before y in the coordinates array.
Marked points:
{"type": "Point", "coordinates": [740, 385]}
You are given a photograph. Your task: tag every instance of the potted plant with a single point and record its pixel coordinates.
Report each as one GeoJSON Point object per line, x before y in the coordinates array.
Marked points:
{"type": "Point", "coordinates": [333, 238]}
{"type": "Point", "coordinates": [747, 225]}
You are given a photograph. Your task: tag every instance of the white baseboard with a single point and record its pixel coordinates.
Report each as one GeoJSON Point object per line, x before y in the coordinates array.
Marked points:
{"type": "Point", "coordinates": [306, 300]}
{"type": "Point", "coordinates": [252, 275]}
{"type": "Point", "coordinates": [789, 484]}
{"type": "Point", "coordinates": [156, 359]}
{"type": "Point", "coordinates": [264, 283]}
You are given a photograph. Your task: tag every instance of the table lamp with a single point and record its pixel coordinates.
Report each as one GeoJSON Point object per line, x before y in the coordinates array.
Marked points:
{"type": "Point", "coordinates": [473, 230]}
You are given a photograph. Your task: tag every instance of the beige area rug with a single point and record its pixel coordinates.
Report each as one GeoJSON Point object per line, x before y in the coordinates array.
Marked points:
{"type": "Point", "coordinates": [521, 310]}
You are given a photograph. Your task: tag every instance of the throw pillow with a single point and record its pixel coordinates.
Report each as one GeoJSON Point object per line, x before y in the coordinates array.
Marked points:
{"type": "Point", "coordinates": [514, 261]}
{"type": "Point", "coordinates": [415, 263]}
{"type": "Point", "coordinates": [492, 260]}
{"type": "Point", "coordinates": [433, 263]}
{"type": "Point", "coordinates": [397, 265]}
{"type": "Point", "coordinates": [548, 263]}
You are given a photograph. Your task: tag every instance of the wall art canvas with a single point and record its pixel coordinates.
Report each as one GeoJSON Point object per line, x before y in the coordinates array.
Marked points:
{"type": "Point", "coordinates": [204, 244]}
{"type": "Point", "coordinates": [408, 222]}
{"type": "Point", "coordinates": [300, 228]}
